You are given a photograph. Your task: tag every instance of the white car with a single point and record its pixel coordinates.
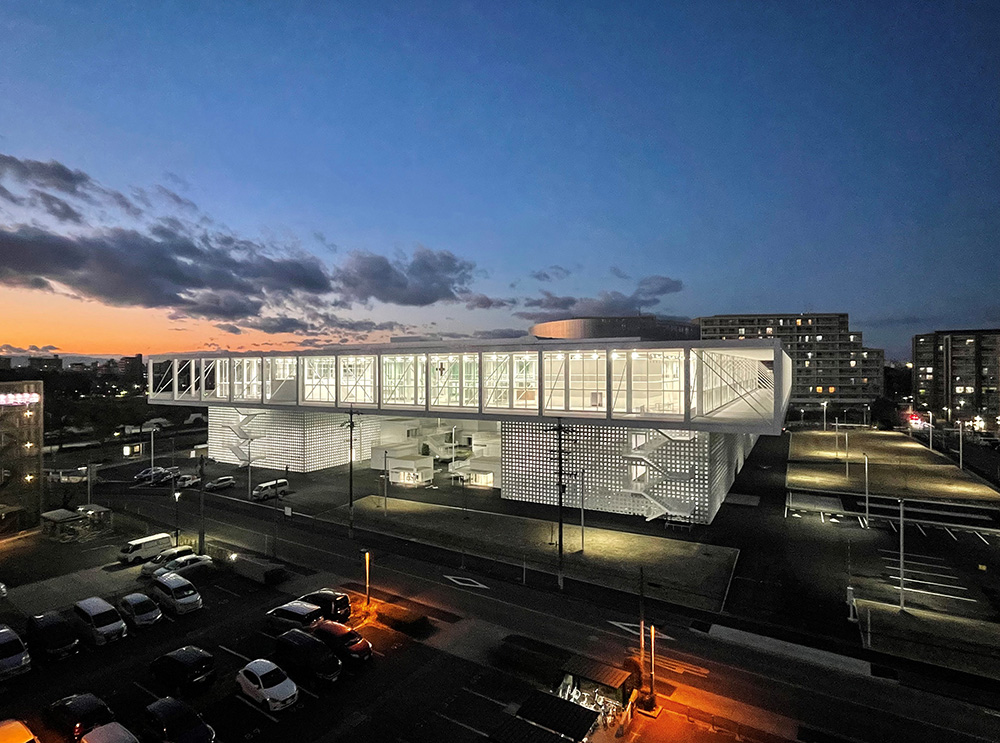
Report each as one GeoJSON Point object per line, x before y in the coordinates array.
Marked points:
{"type": "Point", "coordinates": [185, 564]}
{"type": "Point", "coordinates": [188, 481]}
{"type": "Point", "coordinates": [139, 610]}
{"type": "Point", "coordinates": [266, 684]}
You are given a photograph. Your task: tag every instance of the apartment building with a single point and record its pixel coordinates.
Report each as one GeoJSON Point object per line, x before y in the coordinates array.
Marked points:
{"type": "Point", "coordinates": [955, 374]}
{"type": "Point", "coordinates": [829, 360]}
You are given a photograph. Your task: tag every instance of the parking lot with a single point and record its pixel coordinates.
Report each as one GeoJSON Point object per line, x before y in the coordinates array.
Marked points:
{"type": "Point", "coordinates": [407, 691]}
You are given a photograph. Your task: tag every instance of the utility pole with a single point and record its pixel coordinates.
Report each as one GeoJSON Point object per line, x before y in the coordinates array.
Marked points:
{"type": "Point", "coordinates": [583, 494]}
{"type": "Point", "coordinates": [866, 490]}
{"type": "Point", "coordinates": [562, 489]}
{"type": "Point", "coordinates": [350, 474]}
{"type": "Point", "coordinates": [152, 458]}
{"type": "Point", "coordinates": [652, 661]}
{"type": "Point", "coordinates": [847, 452]}
{"type": "Point", "coordinates": [642, 625]}
{"type": "Point", "coordinates": [902, 590]}
{"type": "Point", "coordinates": [201, 504]}
{"type": "Point", "coordinates": [961, 445]}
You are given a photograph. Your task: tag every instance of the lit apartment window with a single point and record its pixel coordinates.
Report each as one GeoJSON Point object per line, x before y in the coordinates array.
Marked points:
{"type": "Point", "coordinates": [969, 390]}
{"type": "Point", "coordinates": [808, 362]}
{"type": "Point", "coordinates": [743, 331]}
{"type": "Point", "coordinates": [853, 362]}
{"type": "Point", "coordinates": [864, 354]}
{"type": "Point", "coordinates": [832, 389]}
{"type": "Point", "coordinates": [798, 321]}
{"type": "Point", "coordinates": [864, 380]}
{"type": "Point", "coordinates": [819, 337]}
{"type": "Point", "coordinates": [810, 321]}
{"type": "Point", "coordinates": [769, 331]}
{"type": "Point", "coordinates": [809, 354]}
{"type": "Point", "coordinates": [852, 338]}
{"type": "Point", "coordinates": [819, 389]}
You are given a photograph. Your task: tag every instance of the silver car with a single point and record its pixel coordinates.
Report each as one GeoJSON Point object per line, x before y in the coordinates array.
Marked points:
{"type": "Point", "coordinates": [139, 610]}
{"type": "Point", "coordinates": [14, 656]}
{"type": "Point", "coordinates": [183, 565]}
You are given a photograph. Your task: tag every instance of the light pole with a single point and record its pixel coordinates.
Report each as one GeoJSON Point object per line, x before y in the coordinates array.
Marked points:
{"type": "Point", "coordinates": [152, 459]}
{"type": "Point", "coordinates": [453, 443]}
{"type": "Point", "coordinates": [249, 464]}
{"type": "Point", "coordinates": [847, 452]}
{"type": "Point", "coordinates": [583, 494]}
{"type": "Point", "coordinates": [368, 568]}
{"type": "Point", "coordinates": [867, 410]}
{"type": "Point", "coordinates": [949, 415]}
{"type": "Point", "coordinates": [201, 504]}
{"type": "Point", "coordinates": [931, 426]}
{"type": "Point", "coordinates": [902, 599]}
{"type": "Point", "coordinates": [177, 517]}
{"type": "Point", "coordinates": [824, 415]}
{"type": "Point", "coordinates": [465, 499]}
{"type": "Point", "coordinates": [802, 415]}
{"type": "Point", "coordinates": [961, 445]}
{"type": "Point", "coordinates": [652, 660]}
{"type": "Point", "coordinates": [866, 489]}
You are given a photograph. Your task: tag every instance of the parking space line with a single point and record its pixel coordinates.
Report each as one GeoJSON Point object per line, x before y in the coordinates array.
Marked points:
{"type": "Point", "coordinates": [910, 570]}
{"type": "Point", "coordinates": [942, 595]}
{"type": "Point", "coordinates": [460, 724]}
{"type": "Point", "coordinates": [155, 696]}
{"type": "Point", "coordinates": [931, 583]}
{"type": "Point", "coordinates": [304, 690]}
{"type": "Point", "coordinates": [893, 525]}
{"type": "Point", "coordinates": [253, 706]}
{"type": "Point", "coordinates": [861, 522]}
{"type": "Point", "coordinates": [226, 590]}
{"type": "Point", "coordinates": [913, 554]}
{"type": "Point", "coordinates": [98, 547]}
{"type": "Point", "coordinates": [490, 699]}
{"type": "Point", "coordinates": [238, 655]}
{"type": "Point", "coordinates": [951, 533]}
{"type": "Point", "coordinates": [921, 530]}
{"type": "Point", "coordinates": [379, 653]}
{"type": "Point", "coordinates": [981, 537]}
{"type": "Point", "coordinates": [918, 562]}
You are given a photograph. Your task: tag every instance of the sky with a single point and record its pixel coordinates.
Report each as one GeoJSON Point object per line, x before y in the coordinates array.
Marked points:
{"type": "Point", "coordinates": [179, 176]}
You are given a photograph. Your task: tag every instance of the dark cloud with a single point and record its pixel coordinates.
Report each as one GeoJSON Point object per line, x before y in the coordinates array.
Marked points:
{"type": "Point", "coordinates": [476, 301]}
{"type": "Point", "coordinates": [7, 349]}
{"type": "Point", "coordinates": [552, 273]}
{"type": "Point", "coordinates": [617, 272]}
{"type": "Point", "coordinates": [122, 202]}
{"type": "Point", "coordinates": [52, 175]}
{"type": "Point", "coordinates": [8, 196]}
{"type": "Point", "coordinates": [56, 207]}
{"type": "Point", "coordinates": [648, 293]}
{"type": "Point", "coordinates": [175, 199]}
{"type": "Point", "coordinates": [496, 333]}
{"type": "Point", "coordinates": [429, 276]}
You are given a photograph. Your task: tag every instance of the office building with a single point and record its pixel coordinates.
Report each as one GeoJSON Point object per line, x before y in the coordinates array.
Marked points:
{"type": "Point", "coordinates": [955, 375]}
{"type": "Point", "coordinates": [830, 362]}
{"type": "Point", "coordinates": [655, 428]}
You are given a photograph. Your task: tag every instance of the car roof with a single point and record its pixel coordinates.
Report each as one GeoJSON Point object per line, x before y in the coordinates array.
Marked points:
{"type": "Point", "coordinates": [299, 607]}
{"type": "Point", "coordinates": [326, 592]}
{"type": "Point", "coordinates": [47, 618]}
{"type": "Point", "coordinates": [15, 730]}
{"type": "Point", "coordinates": [332, 628]}
{"type": "Point", "coordinates": [167, 706]}
{"type": "Point", "coordinates": [172, 580]}
{"type": "Point", "coordinates": [260, 666]}
{"type": "Point", "coordinates": [135, 598]}
{"type": "Point", "coordinates": [300, 638]}
{"type": "Point", "coordinates": [81, 702]}
{"type": "Point", "coordinates": [188, 653]}
{"type": "Point", "coordinates": [94, 604]}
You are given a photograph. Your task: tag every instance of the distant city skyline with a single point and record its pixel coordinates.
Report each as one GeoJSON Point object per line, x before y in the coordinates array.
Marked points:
{"type": "Point", "coordinates": [186, 177]}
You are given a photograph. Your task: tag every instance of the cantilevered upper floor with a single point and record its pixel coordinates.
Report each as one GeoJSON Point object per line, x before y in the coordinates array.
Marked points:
{"type": "Point", "coordinates": [740, 386]}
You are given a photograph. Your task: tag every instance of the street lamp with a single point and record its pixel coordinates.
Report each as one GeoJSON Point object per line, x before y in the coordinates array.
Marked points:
{"type": "Point", "coordinates": [931, 426]}
{"type": "Point", "coordinates": [866, 489]}
{"type": "Point", "coordinates": [368, 566]}
{"type": "Point", "coordinates": [802, 415]}
{"type": "Point", "coordinates": [961, 447]}
{"type": "Point", "coordinates": [177, 517]}
{"type": "Point", "coordinates": [824, 415]}
{"type": "Point", "coordinates": [949, 414]}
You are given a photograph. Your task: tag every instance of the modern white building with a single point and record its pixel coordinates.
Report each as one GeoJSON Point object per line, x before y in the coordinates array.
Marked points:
{"type": "Point", "coordinates": [657, 429]}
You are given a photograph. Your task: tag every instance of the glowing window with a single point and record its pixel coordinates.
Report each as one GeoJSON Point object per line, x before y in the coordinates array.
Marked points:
{"type": "Point", "coordinates": [832, 389]}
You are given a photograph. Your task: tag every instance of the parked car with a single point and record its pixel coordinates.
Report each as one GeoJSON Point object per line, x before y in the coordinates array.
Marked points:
{"type": "Point", "coordinates": [166, 475]}
{"type": "Point", "coordinates": [147, 474]}
{"type": "Point", "coordinates": [77, 714]}
{"type": "Point", "coordinates": [220, 483]}
{"type": "Point", "coordinates": [186, 670]}
{"type": "Point", "coordinates": [14, 656]}
{"type": "Point", "coordinates": [299, 651]}
{"type": "Point", "coordinates": [170, 720]}
{"type": "Point", "coordinates": [3, 590]}
{"type": "Point", "coordinates": [346, 643]}
{"type": "Point", "coordinates": [113, 732]}
{"type": "Point", "coordinates": [264, 683]}
{"type": "Point", "coordinates": [184, 565]}
{"type": "Point", "coordinates": [15, 731]}
{"type": "Point", "coordinates": [293, 615]}
{"type": "Point", "coordinates": [335, 605]}
{"type": "Point", "coordinates": [139, 610]}
{"type": "Point", "coordinates": [50, 636]}
{"type": "Point", "coordinates": [175, 592]}
{"type": "Point", "coordinates": [98, 622]}
{"type": "Point", "coordinates": [188, 481]}
{"type": "Point", "coordinates": [158, 561]}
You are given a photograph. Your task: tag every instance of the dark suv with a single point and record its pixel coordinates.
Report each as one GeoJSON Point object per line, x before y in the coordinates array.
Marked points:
{"type": "Point", "coordinates": [50, 636]}
{"type": "Point", "coordinates": [335, 605]}
{"type": "Point", "coordinates": [170, 719]}
{"type": "Point", "coordinates": [296, 650]}
{"type": "Point", "coordinates": [186, 670]}
{"type": "Point", "coordinates": [76, 715]}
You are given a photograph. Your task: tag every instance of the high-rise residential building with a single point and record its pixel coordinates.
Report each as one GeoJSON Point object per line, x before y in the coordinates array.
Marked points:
{"type": "Point", "coordinates": [829, 360]}
{"type": "Point", "coordinates": [955, 374]}
{"type": "Point", "coordinates": [22, 437]}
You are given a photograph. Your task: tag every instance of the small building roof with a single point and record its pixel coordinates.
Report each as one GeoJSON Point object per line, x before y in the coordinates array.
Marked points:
{"type": "Point", "coordinates": [594, 670]}
{"type": "Point", "coordinates": [60, 515]}
{"type": "Point", "coordinates": [558, 715]}
{"type": "Point", "coordinates": [516, 730]}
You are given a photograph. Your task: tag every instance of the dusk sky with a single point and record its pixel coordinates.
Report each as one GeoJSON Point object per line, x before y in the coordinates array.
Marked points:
{"type": "Point", "coordinates": [178, 176]}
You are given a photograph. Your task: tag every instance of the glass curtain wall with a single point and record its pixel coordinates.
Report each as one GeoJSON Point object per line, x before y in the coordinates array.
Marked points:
{"type": "Point", "coordinates": [280, 379]}
{"type": "Point", "coordinates": [247, 379]}
{"type": "Point", "coordinates": [525, 381]}
{"type": "Point", "coordinates": [575, 381]}
{"type": "Point", "coordinates": [188, 380]}
{"type": "Point", "coordinates": [470, 380]}
{"type": "Point", "coordinates": [358, 380]}
{"type": "Point", "coordinates": [648, 383]}
{"type": "Point", "coordinates": [725, 378]}
{"type": "Point", "coordinates": [216, 379]}
{"type": "Point", "coordinates": [403, 380]}
{"type": "Point", "coordinates": [319, 377]}
{"type": "Point", "coordinates": [496, 381]}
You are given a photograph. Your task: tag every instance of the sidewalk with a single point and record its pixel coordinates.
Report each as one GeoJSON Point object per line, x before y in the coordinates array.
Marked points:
{"type": "Point", "coordinates": [677, 571]}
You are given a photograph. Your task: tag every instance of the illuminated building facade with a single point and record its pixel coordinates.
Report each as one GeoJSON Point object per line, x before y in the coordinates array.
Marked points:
{"type": "Point", "coordinates": [21, 439]}
{"type": "Point", "coordinates": [958, 371]}
{"type": "Point", "coordinates": [670, 422]}
{"type": "Point", "coordinates": [831, 364]}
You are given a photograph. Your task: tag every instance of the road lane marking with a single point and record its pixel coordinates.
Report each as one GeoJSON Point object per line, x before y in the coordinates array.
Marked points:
{"type": "Point", "coordinates": [634, 630]}
{"type": "Point", "coordinates": [233, 652]}
{"type": "Point", "coordinates": [478, 694]}
{"type": "Point", "coordinates": [155, 696]}
{"type": "Point", "coordinates": [253, 706]}
{"type": "Point", "coordinates": [167, 616]}
{"type": "Point", "coordinates": [378, 653]}
{"type": "Point", "coordinates": [460, 724]}
{"type": "Point", "coordinates": [930, 583]}
{"type": "Point", "coordinates": [942, 595]}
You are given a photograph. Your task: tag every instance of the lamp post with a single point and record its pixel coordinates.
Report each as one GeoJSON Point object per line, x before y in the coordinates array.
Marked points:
{"type": "Point", "coordinates": [802, 415]}
{"type": "Point", "coordinates": [931, 426]}
{"type": "Point", "coordinates": [824, 415]}
{"type": "Point", "coordinates": [177, 516]}
{"type": "Point", "coordinates": [902, 599]}
{"type": "Point", "coordinates": [368, 568]}
{"type": "Point", "coordinates": [465, 499]}
{"type": "Point", "coordinates": [867, 410]}
{"type": "Point", "coordinates": [961, 446]}
{"type": "Point", "coordinates": [847, 452]}
{"type": "Point", "coordinates": [948, 410]}
{"type": "Point", "coordinates": [652, 660]}
{"type": "Point", "coordinates": [583, 494]}
{"type": "Point", "coordinates": [152, 459]}
{"type": "Point", "coordinates": [866, 489]}
{"type": "Point", "coordinates": [201, 504]}
{"type": "Point", "coordinates": [453, 443]}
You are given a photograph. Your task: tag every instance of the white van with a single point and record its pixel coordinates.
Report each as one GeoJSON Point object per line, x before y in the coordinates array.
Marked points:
{"type": "Point", "coordinates": [175, 592]}
{"type": "Point", "coordinates": [145, 548]}
{"type": "Point", "coordinates": [269, 490]}
{"type": "Point", "coordinates": [113, 732]}
{"type": "Point", "coordinates": [98, 621]}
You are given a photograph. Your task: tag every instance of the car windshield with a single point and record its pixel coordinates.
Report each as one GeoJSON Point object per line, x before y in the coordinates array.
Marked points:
{"type": "Point", "coordinates": [104, 618]}
{"type": "Point", "coordinates": [184, 591]}
{"type": "Point", "coordinates": [352, 638]}
{"type": "Point", "coordinates": [180, 718]}
{"type": "Point", "coordinates": [272, 678]}
{"type": "Point", "coordinates": [10, 647]}
{"type": "Point", "coordinates": [144, 607]}
{"type": "Point", "coordinates": [57, 634]}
